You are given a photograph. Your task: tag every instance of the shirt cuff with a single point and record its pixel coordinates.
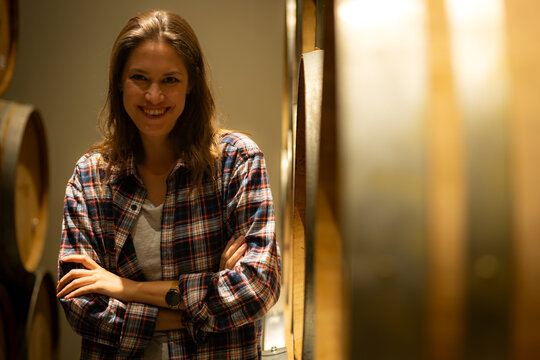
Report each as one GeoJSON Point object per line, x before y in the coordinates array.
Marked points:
{"type": "Point", "coordinates": [138, 327]}
{"type": "Point", "coordinates": [193, 289]}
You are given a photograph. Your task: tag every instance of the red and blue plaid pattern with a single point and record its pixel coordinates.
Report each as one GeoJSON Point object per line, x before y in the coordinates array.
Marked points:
{"type": "Point", "coordinates": [224, 308]}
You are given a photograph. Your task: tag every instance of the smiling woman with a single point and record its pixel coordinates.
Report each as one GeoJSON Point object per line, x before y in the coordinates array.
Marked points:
{"type": "Point", "coordinates": [155, 85]}
{"type": "Point", "coordinates": [168, 241]}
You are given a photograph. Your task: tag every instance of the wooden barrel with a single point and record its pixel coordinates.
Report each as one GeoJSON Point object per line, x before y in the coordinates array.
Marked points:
{"type": "Point", "coordinates": [314, 282]}
{"type": "Point", "coordinates": [23, 189]}
{"type": "Point", "coordinates": [450, 271]}
{"type": "Point", "coordinates": [300, 259]}
{"type": "Point", "coordinates": [42, 323]}
{"type": "Point", "coordinates": [37, 316]}
{"type": "Point", "coordinates": [8, 41]}
{"type": "Point", "coordinates": [318, 304]}
{"type": "Point", "coordinates": [7, 324]}
{"type": "Point", "coordinates": [524, 53]}
{"type": "Point", "coordinates": [429, 159]}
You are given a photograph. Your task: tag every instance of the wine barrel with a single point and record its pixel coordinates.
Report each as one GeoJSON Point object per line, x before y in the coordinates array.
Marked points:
{"type": "Point", "coordinates": [42, 324]}
{"type": "Point", "coordinates": [300, 259]}
{"type": "Point", "coordinates": [426, 180]}
{"type": "Point", "coordinates": [524, 53]}
{"type": "Point", "coordinates": [7, 324]}
{"type": "Point", "coordinates": [23, 189]}
{"type": "Point", "coordinates": [318, 304]}
{"type": "Point", "coordinates": [381, 72]}
{"type": "Point", "coordinates": [314, 284]}
{"type": "Point", "coordinates": [8, 41]}
{"type": "Point", "coordinates": [37, 318]}
{"type": "Point", "coordinates": [428, 158]}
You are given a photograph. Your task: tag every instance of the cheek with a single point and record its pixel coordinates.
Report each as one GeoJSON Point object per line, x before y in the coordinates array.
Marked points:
{"type": "Point", "coordinates": [130, 94]}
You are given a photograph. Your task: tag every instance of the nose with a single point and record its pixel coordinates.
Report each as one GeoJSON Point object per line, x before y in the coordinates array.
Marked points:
{"type": "Point", "coordinates": [154, 95]}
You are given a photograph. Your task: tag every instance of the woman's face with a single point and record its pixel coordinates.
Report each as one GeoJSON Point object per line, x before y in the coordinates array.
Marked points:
{"type": "Point", "coordinates": [154, 86]}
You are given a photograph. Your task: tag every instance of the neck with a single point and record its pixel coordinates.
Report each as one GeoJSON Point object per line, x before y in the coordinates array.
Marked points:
{"type": "Point", "coordinates": [158, 155]}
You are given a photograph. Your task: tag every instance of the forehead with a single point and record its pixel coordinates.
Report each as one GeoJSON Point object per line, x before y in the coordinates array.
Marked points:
{"type": "Point", "coordinates": [155, 56]}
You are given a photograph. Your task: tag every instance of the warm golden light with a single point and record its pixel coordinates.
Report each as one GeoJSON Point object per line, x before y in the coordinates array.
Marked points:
{"type": "Point", "coordinates": [478, 47]}
{"type": "Point", "coordinates": [370, 14]}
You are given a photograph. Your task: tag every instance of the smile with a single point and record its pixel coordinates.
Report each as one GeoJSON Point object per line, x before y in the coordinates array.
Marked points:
{"type": "Point", "coordinates": [154, 112]}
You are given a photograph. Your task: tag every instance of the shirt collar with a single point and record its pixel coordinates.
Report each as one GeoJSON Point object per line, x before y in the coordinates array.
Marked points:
{"type": "Point", "coordinates": [129, 168]}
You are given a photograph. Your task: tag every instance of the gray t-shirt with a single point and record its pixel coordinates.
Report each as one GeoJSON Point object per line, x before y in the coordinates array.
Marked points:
{"type": "Point", "coordinates": [146, 235]}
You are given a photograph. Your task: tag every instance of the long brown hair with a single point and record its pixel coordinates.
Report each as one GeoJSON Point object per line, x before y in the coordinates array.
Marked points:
{"type": "Point", "coordinates": [194, 135]}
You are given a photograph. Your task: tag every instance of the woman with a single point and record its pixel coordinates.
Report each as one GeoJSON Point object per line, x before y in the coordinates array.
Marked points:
{"type": "Point", "coordinates": [145, 265]}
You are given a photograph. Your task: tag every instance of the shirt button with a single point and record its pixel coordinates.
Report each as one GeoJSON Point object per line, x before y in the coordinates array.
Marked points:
{"type": "Point", "coordinates": [133, 207]}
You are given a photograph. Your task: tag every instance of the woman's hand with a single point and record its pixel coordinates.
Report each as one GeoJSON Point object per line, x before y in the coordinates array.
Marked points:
{"type": "Point", "coordinates": [233, 252]}
{"type": "Point", "coordinates": [92, 279]}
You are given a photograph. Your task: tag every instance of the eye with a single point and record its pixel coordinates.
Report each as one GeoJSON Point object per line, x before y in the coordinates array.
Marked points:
{"type": "Point", "coordinates": [137, 77]}
{"type": "Point", "coordinates": [170, 80]}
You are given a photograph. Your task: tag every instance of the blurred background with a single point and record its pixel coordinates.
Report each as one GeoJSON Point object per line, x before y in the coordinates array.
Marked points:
{"type": "Point", "coordinates": [401, 139]}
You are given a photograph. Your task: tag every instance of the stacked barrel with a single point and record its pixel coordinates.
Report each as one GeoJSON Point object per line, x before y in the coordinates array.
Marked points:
{"type": "Point", "coordinates": [412, 174]}
{"type": "Point", "coordinates": [28, 307]}
{"type": "Point", "coordinates": [313, 251]}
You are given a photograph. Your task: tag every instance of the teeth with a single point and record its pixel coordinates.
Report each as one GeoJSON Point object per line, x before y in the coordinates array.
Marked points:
{"type": "Point", "coordinates": [154, 112]}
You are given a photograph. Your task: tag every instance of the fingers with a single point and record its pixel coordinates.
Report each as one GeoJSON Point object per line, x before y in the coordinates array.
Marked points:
{"type": "Point", "coordinates": [82, 259]}
{"type": "Point", "coordinates": [230, 249]}
{"type": "Point", "coordinates": [232, 246]}
{"type": "Point", "coordinates": [84, 290]}
{"type": "Point", "coordinates": [74, 281]}
{"type": "Point", "coordinates": [70, 276]}
{"type": "Point", "coordinates": [79, 286]}
{"type": "Point", "coordinates": [238, 254]}
{"type": "Point", "coordinates": [233, 252]}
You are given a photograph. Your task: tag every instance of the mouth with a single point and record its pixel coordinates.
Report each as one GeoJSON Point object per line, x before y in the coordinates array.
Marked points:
{"type": "Point", "coordinates": [154, 113]}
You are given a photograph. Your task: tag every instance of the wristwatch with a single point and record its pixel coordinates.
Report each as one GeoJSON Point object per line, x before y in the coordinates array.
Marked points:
{"type": "Point", "coordinates": [173, 296]}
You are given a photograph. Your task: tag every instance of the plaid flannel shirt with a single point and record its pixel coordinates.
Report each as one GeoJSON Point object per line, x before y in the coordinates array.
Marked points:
{"type": "Point", "coordinates": [224, 312]}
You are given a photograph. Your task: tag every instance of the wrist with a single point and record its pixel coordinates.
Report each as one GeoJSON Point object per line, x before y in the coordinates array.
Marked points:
{"type": "Point", "coordinates": [131, 290]}
{"type": "Point", "coordinates": [150, 292]}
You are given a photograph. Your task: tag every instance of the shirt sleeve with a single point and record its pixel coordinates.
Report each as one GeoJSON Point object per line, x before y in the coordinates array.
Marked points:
{"type": "Point", "coordinates": [98, 318]}
{"type": "Point", "coordinates": [231, 298]}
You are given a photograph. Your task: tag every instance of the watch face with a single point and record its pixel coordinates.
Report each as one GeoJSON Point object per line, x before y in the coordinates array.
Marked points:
{"type": "Point", "coordinates": [172, 298]}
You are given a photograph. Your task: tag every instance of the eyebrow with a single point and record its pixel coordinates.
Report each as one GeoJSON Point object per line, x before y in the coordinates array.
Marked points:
{"type": "Point", "coordinates": [146, 72]}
